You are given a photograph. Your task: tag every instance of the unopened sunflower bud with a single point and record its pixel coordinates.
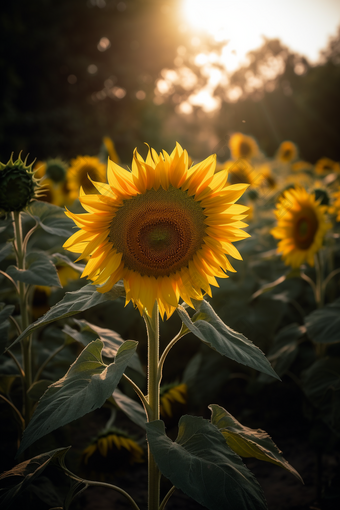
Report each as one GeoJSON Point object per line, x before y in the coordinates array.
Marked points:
{"type": "Point", "coordinates": [17, 184]}
{"type": "Point", "coordinates": [56, 170]}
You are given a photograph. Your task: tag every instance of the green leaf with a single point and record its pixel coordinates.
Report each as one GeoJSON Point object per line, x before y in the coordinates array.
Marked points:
{"type": "Point", "coordinates": [201, 464]}
{"type": "Point", "coordinates": [73, 303]}
{"type": "Point", "coordinates": [247, 442]}
{"type": "Point", "coordinates": [5, 250]}
{"type": "Point", "coordinates": [6, 312]}
{"type": "Point", "coordinates": [111, 340]}
{"type": "Point", "coordinates": [52, 219]}
{"type": "Point", "coordinates": [26, 472]}
{"type": "Point", "coordinates": [294, 273]}
{"type": "Point", "coordinates": [211, 330]}
{"type": "Point", "coordinates": [284, 350]}
{"type": "Point", "coordinates": [40, 271]}
{"type": "Point", "coordinates": [38, 388]}
{"type": "Point", "coordinates": [130, 407]}
{"type": "Point", "coordinates": [85, 387]}
{"type": "Point", "coordinates": [323, 326]}
{"type": "Point", "coordinates": [63, 260]}
{"type": "Point", "coordinates": [321, 385]}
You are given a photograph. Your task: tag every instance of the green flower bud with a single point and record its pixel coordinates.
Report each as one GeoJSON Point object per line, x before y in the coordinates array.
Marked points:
{"type": "Point", "coordinates": [17, 184]}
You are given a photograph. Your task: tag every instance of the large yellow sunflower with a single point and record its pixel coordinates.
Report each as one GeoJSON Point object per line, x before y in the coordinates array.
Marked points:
{"type": "Point", "coordinates": [79, 172]}
{"type": "Point", "coordinates": [242, 146]}
{"type": "Point", "coordinates": [163, 228]}
{"type": "Point", "coordinates": [301, 226]}
{"type": "Point", "coordinates": [287, 152]}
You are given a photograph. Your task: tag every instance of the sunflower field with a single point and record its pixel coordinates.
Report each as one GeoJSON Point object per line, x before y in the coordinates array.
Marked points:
{"type": "Point", "coordinates": [234, 269]}
{"type": "Point", "coordinates": [169, 255]}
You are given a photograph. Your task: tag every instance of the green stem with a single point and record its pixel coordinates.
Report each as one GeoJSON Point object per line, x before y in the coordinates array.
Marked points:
{"type": "Point", "coordinates": [166, 352]}
{"type": "Point", "coordinates": [25, 343]}
{"type": "Point", "coordinates": [152, 325]}
{"type": "Point", "coordinates": [93, 483]}
{"type": "Point", "coordinates": [167, 497]}
{"type": "Point", "coordinates": [140, 395]}
{"type": "Point", "coordinates": [16, 411]}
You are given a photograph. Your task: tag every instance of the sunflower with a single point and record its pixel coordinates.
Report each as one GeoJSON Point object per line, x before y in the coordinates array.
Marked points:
{"type": "Point", "coordinates": [287, 152]}
{"type": "Point", "coordinates": [326, 165]}
{"type": "Point", "coordinates": [301, 166]}
{"type": "Point", "coordinates": [84, 170]}
{"type": "Point", "coordinates": [241, 171]}
{"type": "Point", "coordinates": [242, 146]}
{"type": "Point", "coordinates": [163, 228]}
{"type": "Point", "coordinates": [112, 445]}
{"type": "Point", "coordinates": [170, 395]}
{"type": "Point", "coordinates": [51, 193]}
{"type": "Point", "coordinates": [301, 226]}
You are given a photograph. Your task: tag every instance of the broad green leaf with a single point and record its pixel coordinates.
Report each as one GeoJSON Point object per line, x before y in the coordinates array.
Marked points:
{"type": "Point", "coordinates": [201, 464]}
{"type": "Point", "coordinates": [52, 219]}
{"type": "Point", "coordinates": [6, 311]}
{"type": "Point", "coordinates": [6, 381]}
{"type": "Point", "coordinates": [284, 350]}
{"type": "Point", "coordinates": [38, 388]}
{"type": "Point", "coordinates": [211, 330]}
{"type": "Point", "coordinates": [323, 326]}
{"type": "Point", "coordinates": [24, 474]}
{"type": "Point", "coordinates": [111, 340]}
{"type": "Point", "coordinates": [73, 303]}
{"type": "Point", "coordinates": [62, 260]}
{"type": "Point", "coordinates": [131, 408]}
{"type": "Point", "coordinates": [247, 442]}
{"type": "Point", "coordinates": [5, 250]}
{"type": "Point", "coordinates": [40, 271]}
{"type": "Point", "coordinates": [321, 385]}
{"type": "Point", "coordinates": [85, 387]}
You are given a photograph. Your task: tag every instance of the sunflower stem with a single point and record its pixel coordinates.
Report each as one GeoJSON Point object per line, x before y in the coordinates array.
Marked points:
{"type": "Point", "coordinates": [26, 342]}
{"type": "Point", "coordinates": [152, 326]}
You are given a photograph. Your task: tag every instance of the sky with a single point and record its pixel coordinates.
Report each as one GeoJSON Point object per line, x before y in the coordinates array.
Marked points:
{"type": "Point", "coordinates": [303, 25]}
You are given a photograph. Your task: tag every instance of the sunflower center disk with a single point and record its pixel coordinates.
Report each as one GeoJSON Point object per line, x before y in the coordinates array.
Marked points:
{"type": "Point", "coordinates": [158, 232]}
{"type": "Point", "coordinates": [305, 229]}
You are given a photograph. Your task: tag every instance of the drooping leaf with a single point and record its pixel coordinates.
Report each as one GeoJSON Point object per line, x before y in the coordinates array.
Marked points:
{"type": "Point", "coordinates": [284, 350]}
{"type": "Point", "coordinates": [131, 408]}
{"type": "Point", "coordinates": [202, 465]}
{"type": "Point", "coordinates": [24, 474]}
{"type": "Point", "coordinates": [111, 340]}
{"type": "Point", "coordinates": [247, 442]}
{"type": "Point", "coordinates": [207, 326]}
{"type": "Point", "coordinates": [321, 385]}
{"type": "Point", "coordinates": [293, 273]}
{"type": "Point", "coordinates": [323, 326]}
{"type": "Point", "coordinates": [85, 387]}
{"type": "Point", "coordinates": [62, 260]}
{"type": "Point", "coordinates": [40, 271]}
{"type": "Point", "coordinates": [73, 303]}
{"type": "Point", "coordinates": [52, 219]}
{"type": "Point", "coordinates": [5, 250]}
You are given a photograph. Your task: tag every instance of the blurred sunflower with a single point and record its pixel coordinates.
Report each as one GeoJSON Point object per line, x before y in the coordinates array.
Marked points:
{"type": "Point", "coordinates": [163, 228]}
{"type": "Point", "coordinates": [287, 152]}
{"type": "Point", "coordinates": [52, 193]}
{"type": "Point", "coordinates": [335, 207]}
{"type": "Point", "coordinates": [301, 166]}
{"type": "Point", "coordinates": [241, 171]}
{"type": "Point", "coordinates": [242, 146]}
{"type": "Point", "coordinates": [170, 395]}
{"type": "Point", "coordinates": [325, 166]}
{"type": "Point", "coordinates": [112, 446]}
{"type": "Point", "coordinates": [266, 177]}
{"type": "Point", "coordinates": [82, 171]}
{"type": "Point", "coordinates": [301, 226]}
